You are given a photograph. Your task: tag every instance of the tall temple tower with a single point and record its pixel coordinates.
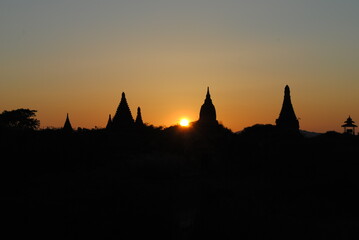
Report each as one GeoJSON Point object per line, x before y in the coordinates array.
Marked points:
{"type": "Point", "coordinates": [123, 117]}
{"type": "Point", "coordinates": [207, 115]}
{"type": "Point", "coordinates": [287, 118]}
{"type": "Point", "coordinates": [67, 126]}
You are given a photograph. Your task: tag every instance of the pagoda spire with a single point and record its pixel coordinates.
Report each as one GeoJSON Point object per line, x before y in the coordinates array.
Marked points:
{"type": "Point", "coordinates": [123, 117]}
{"type": "Point", "coordinates": [139, 121]}
{"type": "Point", "coordinates": [287, 118]}
{"type": "Point", "coordinates": [67, 126]}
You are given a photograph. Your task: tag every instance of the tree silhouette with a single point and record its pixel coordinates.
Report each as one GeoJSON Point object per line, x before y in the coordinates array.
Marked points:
{"type": "Point", "coordinates": [19, 119]}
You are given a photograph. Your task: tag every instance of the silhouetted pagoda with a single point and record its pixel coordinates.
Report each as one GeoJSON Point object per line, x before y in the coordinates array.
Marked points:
{"type": "Point", "coordinates": [287, 119]}
{"type": "Point", "coordinates": [207, 115]}
{"type": "Point", "coordinates": [349, 126]}
{"type": "Point", "coordinates": [67, 126]}
{"type": "Point", "coordinates": [123, 117]}
{"type": "Point", "coordinates": [139, 121]}
{"type": "Point", "coordinates": [109, 122]}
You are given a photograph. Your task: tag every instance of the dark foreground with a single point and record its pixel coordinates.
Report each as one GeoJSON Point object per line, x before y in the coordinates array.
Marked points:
{"type": "Point", "coordinates": [179, 184]}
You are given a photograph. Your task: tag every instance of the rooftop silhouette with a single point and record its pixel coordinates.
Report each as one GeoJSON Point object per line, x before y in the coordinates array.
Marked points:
{"type": "Point", "coordinates": [287, 119]}
{"type": "Point", "coordinates": [349, 126]}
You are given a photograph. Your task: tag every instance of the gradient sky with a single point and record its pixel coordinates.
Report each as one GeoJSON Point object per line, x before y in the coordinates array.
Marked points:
{"type": "Point", "coordinates": [78, 56]}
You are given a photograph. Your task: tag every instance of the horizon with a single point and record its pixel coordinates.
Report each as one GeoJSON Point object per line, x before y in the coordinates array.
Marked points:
{"type": "Point", "coordinates": [78, 57]}
{"type": "Point", "coordinates": [164, 126]}
{"type": "Point", "coordinates": [179, 123]}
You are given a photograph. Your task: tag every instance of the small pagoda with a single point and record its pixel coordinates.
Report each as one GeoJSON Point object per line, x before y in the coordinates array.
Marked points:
{"type": "Point", "coordinates": [287, 119]}
{"type": "Point", "coordinates": [349, 126]}
{"type": "Point", "coordinates": [67, 126]}
{"type": "Point", "coordinates": [139, 121]}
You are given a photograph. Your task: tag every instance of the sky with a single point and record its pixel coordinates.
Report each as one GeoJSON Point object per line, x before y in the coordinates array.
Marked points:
{"type": "Point", "coordinates": [78, 56]}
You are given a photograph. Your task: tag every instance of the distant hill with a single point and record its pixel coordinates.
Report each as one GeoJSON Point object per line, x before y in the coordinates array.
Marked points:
{"type": "Point", "coordinates": [309, 134]}
{"type": "Point", "coordinates": [305, 133]}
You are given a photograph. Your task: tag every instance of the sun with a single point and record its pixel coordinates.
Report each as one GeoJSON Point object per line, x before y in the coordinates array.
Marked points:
{"type": "Point", "coordinates": [184, 122]}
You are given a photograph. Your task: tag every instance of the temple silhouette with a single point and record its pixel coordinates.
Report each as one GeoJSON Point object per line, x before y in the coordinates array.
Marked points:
{"type": "Point", "coordinates": [286, 122]}
{"type": "Point", "coordinates": [287, 119]}
{"type": "Point", "coordinates": [349, 126]}
{"type": "Point", "coordinates": [123, 117]}
{"type": "Point", "coordinates": [67, 126]}
{"type": "Point", "coordinates": [207, 115]}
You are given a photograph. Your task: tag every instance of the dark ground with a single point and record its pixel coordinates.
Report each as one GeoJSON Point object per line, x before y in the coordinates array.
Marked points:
{"type": "Point", "coordinates": [179, 184]}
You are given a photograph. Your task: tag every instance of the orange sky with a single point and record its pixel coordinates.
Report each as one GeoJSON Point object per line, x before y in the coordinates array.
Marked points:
{"type": "Point", "coordinates": [78, 57]}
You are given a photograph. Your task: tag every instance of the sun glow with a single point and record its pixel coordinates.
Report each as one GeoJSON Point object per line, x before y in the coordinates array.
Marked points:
{"type": "Point", "coordinates": [184, 122]}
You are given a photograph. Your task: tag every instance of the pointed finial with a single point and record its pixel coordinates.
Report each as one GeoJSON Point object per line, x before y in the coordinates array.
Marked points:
{"type": "Point", "coordinates": [123, 95]}
{"type": "Point", "coordinates": [286, 90]}
{"type": "Point", "coordinates": [208, 95]}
